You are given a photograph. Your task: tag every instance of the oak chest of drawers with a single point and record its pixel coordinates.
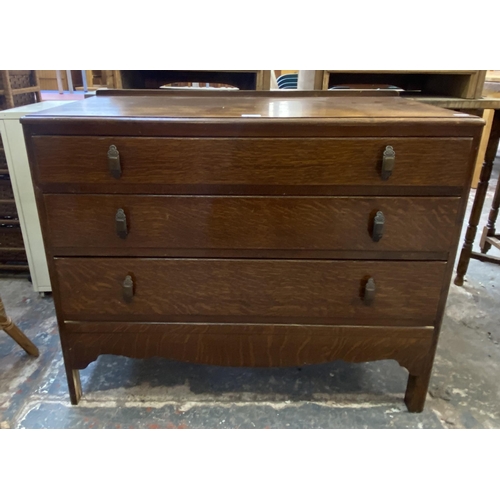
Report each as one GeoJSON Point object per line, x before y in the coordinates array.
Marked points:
{"type": "Point", "coordinates": [251, 231]}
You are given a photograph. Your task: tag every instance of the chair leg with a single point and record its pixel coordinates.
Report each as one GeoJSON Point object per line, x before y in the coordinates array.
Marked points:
{"type": "Point", "coordinates": [69, 79]}
{"type": "Point", "coordinates": [37, 84]}
{"type": "Point", "coordinates": [8, 326]}
{"type": "Point", "coordinates": [59, 81]}
{"type": "Point", "coordinates": [84, 81]}
{"type": "Point", "coordinates": [15, 333]}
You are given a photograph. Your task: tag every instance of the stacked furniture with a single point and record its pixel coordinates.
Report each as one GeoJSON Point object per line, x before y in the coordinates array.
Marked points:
{"type": "Point", "coordinates": [288, 81]}
{"type": "Point", "coordinates": [16, 89]}
{"type": "Point", "coordinates": [252, 230]}
{"type": "Point", "coordinates": [21, 195]}
{"type": "Point", "coordinates": [12, 252]}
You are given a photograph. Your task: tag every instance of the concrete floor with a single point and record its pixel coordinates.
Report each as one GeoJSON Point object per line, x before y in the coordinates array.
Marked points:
{"type": "Point", "coordinates": [156, 393]}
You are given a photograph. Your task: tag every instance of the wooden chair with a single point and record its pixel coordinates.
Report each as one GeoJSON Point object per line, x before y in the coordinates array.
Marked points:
{"type": "Point", "coordinates": [15, 83]}
{"type": "Point", "coordinates": [10, 328]}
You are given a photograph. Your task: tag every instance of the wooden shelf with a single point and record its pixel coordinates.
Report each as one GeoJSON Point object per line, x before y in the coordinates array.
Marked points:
{"type": "Point", "coordinates": [14, 267]}
{"type": "Point", "coordinates": [11, 249]}
{"type": "Point", "coordinates": [10, 222]}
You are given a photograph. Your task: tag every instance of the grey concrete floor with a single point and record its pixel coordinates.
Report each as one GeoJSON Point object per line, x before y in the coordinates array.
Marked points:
{"type": "Point", "coordinates": [157, 393]}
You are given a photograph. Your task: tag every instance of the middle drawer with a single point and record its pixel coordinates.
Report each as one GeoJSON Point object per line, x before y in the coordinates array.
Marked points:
{"type": "Point", "coordinates": [131, 224]}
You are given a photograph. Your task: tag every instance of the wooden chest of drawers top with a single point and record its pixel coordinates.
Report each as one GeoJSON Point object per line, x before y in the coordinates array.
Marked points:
{"type": "Point", "coordinates": [252, 106]}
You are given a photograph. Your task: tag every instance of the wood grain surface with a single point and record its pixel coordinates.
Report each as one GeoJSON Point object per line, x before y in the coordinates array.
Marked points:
{"type": "Point", "coordinates": [269, 291]}
{"type": "Point", "coordinates": [231, 105]}
{"type": "Point", "coordinates": [77, 224]}
{"type": "Point", "coordinates": [249, 222]}
{"type": "Point", "coordinates": [249, 161]}
{"type": "Point", "coordinates": [185, 343]}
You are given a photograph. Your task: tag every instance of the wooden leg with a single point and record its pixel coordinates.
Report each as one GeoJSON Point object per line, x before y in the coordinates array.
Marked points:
{"type": "Point", "coordinates": [59, 81]}
{"type": "Point", "coordinates": [69, 79]}
{"type": "Point", "coordinates": [37, 84]}
{"type": "Point", "coordinates": [7, 89]}
{"type": "Point", "coordinates": [489, 229]}
{"type": "Point", "coordinates": [15, 333]}
{"type": "Point", "coordinates": [488, 117]}
{"type": "Point", "coordinates": [477, 206]}
{"type": "Point", "coordinates": [416, 391]}
{"type": "Point", "coordinates": [8, 326]}
{"type": "Point", "coordinates": [74, 385]}
{"type": "Point", "coordinates": [72, 375]}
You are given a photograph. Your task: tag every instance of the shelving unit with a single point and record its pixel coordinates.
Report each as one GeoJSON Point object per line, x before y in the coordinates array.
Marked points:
{"type": "Point", "coordinates": [154, 79]}
{"type": "Point", "coordinates": [17, 88]}
{"type": "Point", "coordinates": [464, 84]}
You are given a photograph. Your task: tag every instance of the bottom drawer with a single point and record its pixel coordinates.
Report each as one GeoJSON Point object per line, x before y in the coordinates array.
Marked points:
{"type": "Point", "coordinates": [254, 291]}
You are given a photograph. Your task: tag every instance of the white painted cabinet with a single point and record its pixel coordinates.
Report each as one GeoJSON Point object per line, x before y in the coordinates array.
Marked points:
{"type": "Point", "coordinates": [20, 176]}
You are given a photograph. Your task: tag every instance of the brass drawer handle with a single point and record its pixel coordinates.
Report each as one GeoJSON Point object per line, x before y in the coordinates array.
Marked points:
{"type": "Point", "coordinates": [128, 289]}
{"type": "Point", "coordinates": [378, 226]}
{"type": "Point", "coordinates": [388, 160]}
{"type": "Point", "coordinates": [121, 223]}
{"type": "Point", "coordinates": [114, 166]}
{"type": "Point", "coordinates": [369, 292]}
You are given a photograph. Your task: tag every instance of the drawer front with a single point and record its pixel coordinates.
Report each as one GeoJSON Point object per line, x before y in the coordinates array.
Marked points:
{"type": "Point", "coordinates": [196, 162]}
{"type": "Point", "coordinates": [109, 224]}
{"type": "Point", "coordinates": [257, 291]}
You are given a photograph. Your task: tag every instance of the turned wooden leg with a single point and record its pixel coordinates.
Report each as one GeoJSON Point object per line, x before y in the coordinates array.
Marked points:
{"type": "Point", "coordinates": [74, 385]}
{"type": "Point", "coordinates": [416, 391]}
{"type": "Point", "coordinates": [489, 229]}
{"type": "Point", "coordinates": [477, 206]}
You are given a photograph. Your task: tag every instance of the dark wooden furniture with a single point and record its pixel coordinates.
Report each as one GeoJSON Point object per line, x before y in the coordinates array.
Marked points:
{"type": "Point", "coordinates": [251, 230]}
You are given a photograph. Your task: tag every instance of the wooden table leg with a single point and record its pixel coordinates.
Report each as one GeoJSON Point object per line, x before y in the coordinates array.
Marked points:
{"type": "Point", "coordinates": [477, 206]}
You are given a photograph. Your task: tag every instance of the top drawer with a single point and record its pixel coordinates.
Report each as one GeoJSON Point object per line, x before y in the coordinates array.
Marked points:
{"type": "Point", "coordinates": [233, 165]}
